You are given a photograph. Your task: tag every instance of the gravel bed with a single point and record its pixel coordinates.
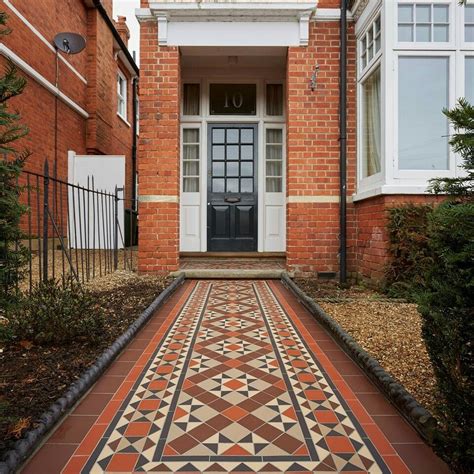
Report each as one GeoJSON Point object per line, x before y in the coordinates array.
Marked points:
{"type": "Point", "coordinates": [388, 329]}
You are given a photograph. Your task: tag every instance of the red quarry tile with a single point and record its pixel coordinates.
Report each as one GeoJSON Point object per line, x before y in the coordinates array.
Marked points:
{"type": "Point", "coordinates": [326, 416]}
{"type": "Point", "coordinates": [420, 459]}
{"type": "Point", "coordinates": [73, 429]}
{"type": "Point", "coordinates": [396, 429]}
{"type": "Point", "coordinates": [138, 428]}
{"type": "Point", "coordinates": [91, 440]}
{"type": "Point", "coordinates": [75, 464]}
{"type": "Point", "coordinates": [339, 444]}
{"type": "Point", "coordinates": [122, 462]}
{"type": "Point", "coordinates": [93, 404]}
{"type": "Point", "coordinates": [235, 413]}
{"type": "Point", "coordinates": [50, 459]}
{"type": "Point", "coordinates": [149, 405]}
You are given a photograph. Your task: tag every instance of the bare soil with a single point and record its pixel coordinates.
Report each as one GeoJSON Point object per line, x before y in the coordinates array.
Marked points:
{"type": "Point", "coordinates": [388, 329]}
{"type": "Point", "coordinates": [32, 377]}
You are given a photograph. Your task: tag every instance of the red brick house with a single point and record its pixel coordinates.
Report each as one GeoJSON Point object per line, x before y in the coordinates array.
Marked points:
{"type": "Point", "coordinates": [243, 146]}
{"type": "Point", "coordinates": [93, 90]}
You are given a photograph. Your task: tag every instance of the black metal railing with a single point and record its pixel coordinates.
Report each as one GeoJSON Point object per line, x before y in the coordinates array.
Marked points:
{"type": "Point", "coordinates": [73, 231]}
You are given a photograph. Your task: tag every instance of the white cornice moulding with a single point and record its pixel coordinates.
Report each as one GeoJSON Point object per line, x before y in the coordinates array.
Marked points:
{"type": "Point", "coordinates": [330, 14]}
{"type": "Point", "coordinates": [24, 66]}
{"type": "Point", "coordinates": [44, 40]}
{"type": "Point", "coordinates": [230, 24]}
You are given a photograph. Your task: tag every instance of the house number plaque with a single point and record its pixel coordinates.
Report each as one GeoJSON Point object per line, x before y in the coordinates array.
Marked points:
{"type": "Point", "coordinates": [233, 99]}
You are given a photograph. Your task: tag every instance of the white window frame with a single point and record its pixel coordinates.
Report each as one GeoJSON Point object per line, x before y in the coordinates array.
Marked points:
{"type": "Point", "coordinates": [192, 126]}
{"type": "Point", "coordinates": [462, 22]}
{"type": "Point", "coordinates": [423, 174]}
{"type": "Point", "coordinates": [122, 99]}
{"type": "Point", "coordinates": [369, 182]}
{"type": "Point", "coordinates": [427, 45]}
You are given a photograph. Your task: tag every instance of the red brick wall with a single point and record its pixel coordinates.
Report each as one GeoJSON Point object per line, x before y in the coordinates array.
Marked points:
{"type": "Point", "coordinates": [313, 150]}
{"type": "Point", "coordinates": [158, 165]}
{"type": "Point", "coordinates": [104, 132]}
{"type": "Point", "coordinates": [372, 236]}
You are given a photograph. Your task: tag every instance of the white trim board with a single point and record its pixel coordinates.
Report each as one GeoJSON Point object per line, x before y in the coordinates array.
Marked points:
{"type": "Point", "coordinates": [43, 39]}
{"type": "Point", "coordinates": [24, 66]}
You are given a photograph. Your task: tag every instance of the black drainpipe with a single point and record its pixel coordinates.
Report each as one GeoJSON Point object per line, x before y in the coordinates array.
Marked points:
{"type": "Point", "coordinates": [343, 146]}
{"type": "Point", "coordinates": [134, 143]}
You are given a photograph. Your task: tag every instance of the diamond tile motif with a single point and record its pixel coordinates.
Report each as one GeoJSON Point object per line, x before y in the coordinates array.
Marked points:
{"type": "Point", "coordinates": [232, 387]}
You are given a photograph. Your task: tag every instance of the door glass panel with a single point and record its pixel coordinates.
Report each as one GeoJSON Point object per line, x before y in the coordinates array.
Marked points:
{"type": "Point", "coordinates": [217, 169]}
{"type": "Point", "coordinates": [232, 185]}
{"type": "Point", "coordinates": [191, 168]}
{"type": "Point", "coordinates": [191, 185]}
{"type": "Point", "coordinates": [246, 135]}
{"type": "Point", "coordinates": [274, 160]}
{"type": "Point", "coordinates": [246, 168]}
{"type": "Point", "coordinates": [232, 152]}
{"type": "Point", "coordinates": [191, 160]}
{"type": "Point", "coordinates": [218, 185]}
{"type": "Point", "coordinates": [218, 152]}
{"type": "Point", "coordinates": [273, 168]}
{"type": "Point", "coordinates": [246, 185]}
{"type": "Point", "coordinates": [246, 152]}
{"type": "Point", "coordinates": [233, 135]}
{"type": "Point", "coordinates": [233, 169]}
{"type": "Point", "coordinates": [218, 135]}
{"type": "Point", "coordinates": [274, 135]}
{"type": "Point", "coordinates": [274, 185]}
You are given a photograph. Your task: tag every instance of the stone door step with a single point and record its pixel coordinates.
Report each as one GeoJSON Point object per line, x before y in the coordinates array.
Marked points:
{"type": "Point", "coordinates": [229, 273]}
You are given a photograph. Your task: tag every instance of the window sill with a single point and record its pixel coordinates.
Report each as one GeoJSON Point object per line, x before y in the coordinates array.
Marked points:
{"type": "Point", "coordinates": [390, 189]}
{"type": "Point", "coordinates": [123, 119]}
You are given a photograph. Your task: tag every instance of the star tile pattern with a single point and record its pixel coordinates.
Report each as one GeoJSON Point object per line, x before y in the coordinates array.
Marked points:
{"type": "Point", "coordinates": [233, 387]}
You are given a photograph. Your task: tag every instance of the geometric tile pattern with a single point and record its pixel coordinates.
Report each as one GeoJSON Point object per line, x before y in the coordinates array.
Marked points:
{"type": "Point", "coordinates": [234, 264]}
{"type": "Point", "coordinates": [233, 387]}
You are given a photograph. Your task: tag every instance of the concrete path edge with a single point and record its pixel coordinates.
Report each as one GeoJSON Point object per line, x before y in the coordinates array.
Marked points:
{"type": "Point", "coordinates": [418, 416]}
{"type": "Point", "coordinates": [24, 447]}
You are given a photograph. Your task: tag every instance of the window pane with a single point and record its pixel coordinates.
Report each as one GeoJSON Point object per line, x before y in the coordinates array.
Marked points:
{"type": "Point", "coordinates": [469, 71]}
{"type": "Point", "coordinates": [423, 13]}
{"type": "Point", "coordinates": [274, 152]}
{"type": "Point", "coordinates": [441, 13]}
{"type": "Point", "coordinates": [405, 13]}
{"type": "Point", "coordinates": [246, 135]}
{"type": "Point", "coordinates": [191, 185]}
{"type": "Point", "coordinates": [218, 152]}
{"type": "Point", "coordinates": [274, 135]}
{"type": "Point", "coordinates": [246, 185]}
{"type": "Point", "coordinates": [233, 169]}
{"type": "Point", "coordinates": [469, 13]}
{"type": "Point", "coordinates": [405, 33]}
{"type": "Point", "coordinates": [191, 135]}
{"type": "Point", "coordinates": [191, 168]}
{"type": "Point", "coordinates": [246, 168]}
{"type": "Point", "coordinates": [441, 33]}
{"type": "Point", "coordinates": [422, 127]}
{"type": "Point", "coordinates": [232, 152]}
{"type": "Point", "coordinates": [191, 95]}
{"type": "Point", "coordinates": [371, 127]}
{"type": "Point", "coordinates": [423, 33]}
{"type": "Point", "coordinates": [246, 152]}
{"type": "Point", "coordinates": [274, 99]}
{"type": "Point", "coordinates": [218, 168]}
{"type": "Point", "coordinates": [218, 135]}
{"type": "Point", "coordinates": [274, 185]}
{"type": "Point", "coordinates": [232, 185]}
{"type": "Point", "coordinates": [218, 185]}
{"type": "Point", "coordinates": [273, 168]}
{"type": "Point", "coordinates": [233, 135]}
{"type": "Point", "coordinates": [469, 34]}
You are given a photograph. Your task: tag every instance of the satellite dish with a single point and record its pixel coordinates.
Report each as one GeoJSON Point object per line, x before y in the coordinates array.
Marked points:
{"type": "Point", "coordinates": [69, 43]}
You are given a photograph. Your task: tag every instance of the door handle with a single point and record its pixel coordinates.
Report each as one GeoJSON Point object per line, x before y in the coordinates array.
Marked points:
{"type": "Point", "coordinates": [232, 200]}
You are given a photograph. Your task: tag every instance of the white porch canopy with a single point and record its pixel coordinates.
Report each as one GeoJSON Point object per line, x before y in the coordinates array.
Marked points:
{"type": "Point", "coordinates": [224, 23]}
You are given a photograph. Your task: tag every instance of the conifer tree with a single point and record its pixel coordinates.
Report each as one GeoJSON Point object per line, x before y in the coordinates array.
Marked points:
{"type": "Point", "coordinates": [12, 253]}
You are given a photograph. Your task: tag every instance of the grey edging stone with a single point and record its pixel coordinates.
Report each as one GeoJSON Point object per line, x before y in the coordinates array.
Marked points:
{"type": "Point", "coordinates": [25, 446]}
{"type": "Point", "coordinates": [419, 417]}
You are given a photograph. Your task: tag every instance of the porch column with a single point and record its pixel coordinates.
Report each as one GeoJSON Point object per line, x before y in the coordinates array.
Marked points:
{"type": "Point", "coordinates": [158, 158]}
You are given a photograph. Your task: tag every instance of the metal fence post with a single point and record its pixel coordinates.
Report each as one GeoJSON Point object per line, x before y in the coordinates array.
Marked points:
{"type": "Point", "coordinates": [116, 228]}
{"type": "Point", "coordinates": [45, 219]}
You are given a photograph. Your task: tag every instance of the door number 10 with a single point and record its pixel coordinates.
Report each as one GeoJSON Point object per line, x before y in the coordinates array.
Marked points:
{"type": "Point", "coordinates": [237, 100]}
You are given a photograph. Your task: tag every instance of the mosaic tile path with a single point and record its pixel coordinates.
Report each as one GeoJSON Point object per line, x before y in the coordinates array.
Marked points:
{"type": "Point", "coordinates": [232, 263]}
{"type": "Point", "coordinates": [229, 379]}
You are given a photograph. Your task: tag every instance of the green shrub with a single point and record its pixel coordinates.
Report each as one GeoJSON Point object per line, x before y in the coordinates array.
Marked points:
{"type": "Point", "coordinates": [447, 307]}
{"type": "Point", "coordinates": [56, 315]}
{"type": "Point", "coordinates": [410, 255]}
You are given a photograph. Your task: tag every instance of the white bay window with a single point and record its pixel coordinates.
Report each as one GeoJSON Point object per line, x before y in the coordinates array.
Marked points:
{"type": "Point", "coordinates": [423, 93]}
{"type": "Point", "coordinates": [425, 63]}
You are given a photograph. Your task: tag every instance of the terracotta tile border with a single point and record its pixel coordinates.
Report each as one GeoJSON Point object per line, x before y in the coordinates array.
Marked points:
{"type": "Point", "coordinates": [375, 434]}
{"type": "Point", "coordinates": [94, 435]}
{"type": "Point", "coordinates": [25, 447]}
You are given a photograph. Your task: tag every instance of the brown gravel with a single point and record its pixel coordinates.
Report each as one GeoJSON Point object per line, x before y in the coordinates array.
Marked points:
{"type": "Point", "coordinates": [388, 329]}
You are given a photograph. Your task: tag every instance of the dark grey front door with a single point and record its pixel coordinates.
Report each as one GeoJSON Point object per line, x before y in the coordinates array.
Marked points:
{"type": "Point", "coordinates": [232, 188]}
